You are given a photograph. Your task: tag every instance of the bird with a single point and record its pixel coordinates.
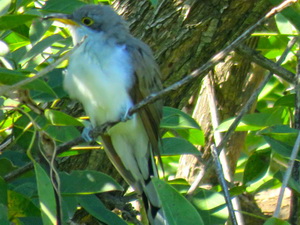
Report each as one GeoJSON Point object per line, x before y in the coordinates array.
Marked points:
{"type": "Point", "coordinates": [109, 73]}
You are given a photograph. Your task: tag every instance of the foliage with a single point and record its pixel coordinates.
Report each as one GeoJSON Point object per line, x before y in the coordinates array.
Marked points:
{"type": "Point", "coordinates": [28, 45]}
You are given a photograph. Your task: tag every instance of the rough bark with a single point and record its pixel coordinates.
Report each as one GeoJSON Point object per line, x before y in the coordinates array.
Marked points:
{"type": "Point", "coordinates": [184, 34]}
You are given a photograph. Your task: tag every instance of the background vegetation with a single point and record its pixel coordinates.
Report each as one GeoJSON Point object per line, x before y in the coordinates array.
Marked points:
{"type": "Point", "coordinates": [49, 176]}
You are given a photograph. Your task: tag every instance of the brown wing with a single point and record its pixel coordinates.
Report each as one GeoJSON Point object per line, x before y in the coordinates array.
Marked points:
{"type": "Point", "coordinates": [148, 81]}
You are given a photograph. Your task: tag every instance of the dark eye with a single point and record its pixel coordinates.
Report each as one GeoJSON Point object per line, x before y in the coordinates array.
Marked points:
{"type": "Point", "coordinates": [87, 21]}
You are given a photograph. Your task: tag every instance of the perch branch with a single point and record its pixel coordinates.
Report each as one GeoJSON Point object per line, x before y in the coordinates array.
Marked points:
{"type": "Point", "coordinates": [264, 62]}
{"type": "Point", "coordinates": [155, 96]}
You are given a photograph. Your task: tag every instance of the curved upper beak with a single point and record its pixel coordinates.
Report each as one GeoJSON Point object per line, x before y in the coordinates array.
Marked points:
{"type": "Point", "coordinates": [63, 18]}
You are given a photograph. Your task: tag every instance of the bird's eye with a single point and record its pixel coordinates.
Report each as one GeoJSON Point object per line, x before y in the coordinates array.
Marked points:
{"type": "Point", "coordinates": [87, 21]}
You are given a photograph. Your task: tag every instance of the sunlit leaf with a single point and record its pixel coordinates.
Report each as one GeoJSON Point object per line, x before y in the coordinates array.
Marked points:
{"type": "Point", "coordinates": [40, 47]}
{"type": "Point", "coordinates": [276, 221]}
{"type": "Point", "coordinates": [281, 139]}
{"type": "Point", "coordinates": [211, 206]}
{"type": "Point", "coordinates": [12, 21]}
{"type": "Point", "coordinates": [59, 118]}
{"type": "Point", "coordinates": [46, 196]}
{"type": "Point", "coordinates": [257, 121]}
{"type": "Point", "coordinates": [177, 146]}
{"type": "Point", "coordinates": [177, 208]}
{"type": "Point", "coordinates": [176, 119]}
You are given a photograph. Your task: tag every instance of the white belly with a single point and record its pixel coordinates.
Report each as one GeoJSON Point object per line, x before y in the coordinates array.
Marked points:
{"type": "Point", "coordinates": [100, 80]}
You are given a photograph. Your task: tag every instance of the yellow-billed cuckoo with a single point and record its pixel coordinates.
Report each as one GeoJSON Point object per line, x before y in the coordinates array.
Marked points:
{"type": "Point", "coordinates": [109, 73]}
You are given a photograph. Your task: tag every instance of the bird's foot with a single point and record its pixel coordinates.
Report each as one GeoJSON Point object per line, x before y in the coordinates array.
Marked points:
{"type": "Point", "coordinates": [86, 133]}
{"type": "Point", "coordinates": [126, 116]}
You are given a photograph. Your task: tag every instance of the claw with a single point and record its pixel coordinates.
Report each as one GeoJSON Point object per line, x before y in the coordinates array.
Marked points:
{"type": "Point", "coordinates": [86, 133]}
{"type": "Point", "coordinates": [125, 117]}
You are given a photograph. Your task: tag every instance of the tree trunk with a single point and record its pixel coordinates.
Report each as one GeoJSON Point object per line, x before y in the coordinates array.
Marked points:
{"type": "Point", "coordinates": [183, 35]}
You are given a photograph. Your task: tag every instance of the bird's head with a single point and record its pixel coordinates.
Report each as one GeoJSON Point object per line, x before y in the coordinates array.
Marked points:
{"type": "Point", "coordinates": [92, 19]}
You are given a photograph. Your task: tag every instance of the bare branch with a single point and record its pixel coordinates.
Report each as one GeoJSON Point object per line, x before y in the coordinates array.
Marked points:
{"type": "Point", "coordinates": [294, 206]}
{"type": "Point", "coordinates": [212, 61]}
{"type": "Point", "coordinates": [264, 62]}
{"type": "Point", "coordinates": [238, 118]}
{"type": "Point", "coordinates": [287, 175]}
{"type": "Point", "coordinates": [155, 96]}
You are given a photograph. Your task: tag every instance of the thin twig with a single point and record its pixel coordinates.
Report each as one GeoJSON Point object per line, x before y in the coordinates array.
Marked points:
{"type": "Point", "coordinates": [294, 206]}
{"type": "Point", "coordinates": [253, 97]}
{"type": "Point", "coordinates": [238, 118]}
{"type": "Point", "coordinates": [212, 61]}
{"type": "Point", "coordinates": [158, 95]}
{"type": "Point", "coordinates": [223, 183]}
{"type": "Point", "coordinates": [287, 176]}
{"type": "Point", "coordinates": [222, 166]}
{"type": "Point", "coordinates": [264, 62]}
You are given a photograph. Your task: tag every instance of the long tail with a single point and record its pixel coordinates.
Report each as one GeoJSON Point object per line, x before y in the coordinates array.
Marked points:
{"type": "Point", "coordinates": [153, 205]}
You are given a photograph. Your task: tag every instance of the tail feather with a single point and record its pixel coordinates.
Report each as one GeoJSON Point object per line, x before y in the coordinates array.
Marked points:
{"type": "Point", "coordinates": [155, 213]}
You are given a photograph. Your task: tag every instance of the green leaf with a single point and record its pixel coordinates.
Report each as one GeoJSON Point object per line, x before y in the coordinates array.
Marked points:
{"type": "Point", "coordinates": [275, 221]}
{"type": "Point", "coordinates": [287, 100]}
{"type": "Point", "coordinates": [281, 139]}
{"type": "Point", "coordinates": [270, 184]}
{"type": "Point", "coordinates": [211, 206]}
{"type": "Point", "coordinates": [94, 182]}
{"type": "Point", "coordinates": [177, 146]}
{"type": "Point", "coordinates": [178, 210]}
{"type": "Point", "coordinates": [55, 81]}
{"type": "Point", "coordinates": [6, 166]}
{"type": "Point", "coordinates": [194, 136]}
{"type": "Point", "coordinates": [17, 158]}
{"type": "Point", "coordinates": [63, 133]}
{"type": "Point", "coordinates": [3, 192]}
{"type": "Point", "coordinates": [284, 26]}
{"type": "Point", "coordinates": [66, 6]}
{"type": "Point", "coordinates": [292, 184]}
{"type": "Point", "coordinates": [292, 13]}
{"type": "Point", "coordinates": [59, 118]}
{"type": "Point", "coordinates": [4, 215]}
{"type": "Point", "coordinates": [20, 206]}
{"type": "Point", "coordinates": [257, 121]}
{"type": "Point", "coordinates": [69, 207]}
{"type": "Point", "coordinates": [256, 167]}
{"type": "Point", "coordinates": [95, 207]}
{"type": "Point", "coordinates": [37, 30]}
{"type": "Point", "coordinates": [40, 47]}
{"type": "Point", "coordinates": [46, 196]}
{"type": "Point", "coordinates": [31, 220]}
{"type": "Point", "coordinates": [11, 21]}
{"type": "Point", "coordinates": [176, 119]}
{"type": "Point", "coordinates": [10, 77]}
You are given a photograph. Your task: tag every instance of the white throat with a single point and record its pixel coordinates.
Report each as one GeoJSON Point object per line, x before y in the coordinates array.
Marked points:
{"type": "Point", "coordinates": [99, 75]}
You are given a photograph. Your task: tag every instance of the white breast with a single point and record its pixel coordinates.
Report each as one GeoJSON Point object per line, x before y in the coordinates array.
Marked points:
{"type": "Point", "coordinates": [99, 75]}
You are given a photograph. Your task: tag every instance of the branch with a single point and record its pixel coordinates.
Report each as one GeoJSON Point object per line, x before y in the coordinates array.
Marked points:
{"type": "Point", "coordinates": [264, 62]}
{"type": "Point", "coordinates": [158, 95]}
{"type": "Point", "coordinates": [294, 208]}
{"type": "Point", "coordinates": [212, 61]}
{"type": "Point", "coordinates": [287, 175]}
{"type": "Point", "coordinates": [238, 118]}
